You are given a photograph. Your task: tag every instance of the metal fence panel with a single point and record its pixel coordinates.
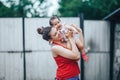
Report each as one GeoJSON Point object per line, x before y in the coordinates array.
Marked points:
{"type": "Point", "coordinates": [97, 38]}
{"type": "Point", "coordinates": [11, 61]}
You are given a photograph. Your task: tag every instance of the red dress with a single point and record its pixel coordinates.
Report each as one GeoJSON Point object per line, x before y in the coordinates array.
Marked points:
{"type": "Point", "coordinates": [67, 68]}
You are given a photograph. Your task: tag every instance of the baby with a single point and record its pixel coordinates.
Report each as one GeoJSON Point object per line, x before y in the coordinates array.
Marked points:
{"type": "Point", "coordinates": [77, 34]}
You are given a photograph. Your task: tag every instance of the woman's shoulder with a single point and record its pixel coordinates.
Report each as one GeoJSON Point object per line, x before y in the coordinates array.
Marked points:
{"type": "Point", "coordinates": [54, 50]}
{"type": "Point", "coordinates": [57, 49]}
{"type": "Point", "coordinates": [54, 47]}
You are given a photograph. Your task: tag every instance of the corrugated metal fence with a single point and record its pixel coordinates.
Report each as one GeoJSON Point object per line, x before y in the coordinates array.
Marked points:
{"type": "Point", "coordinates": [39, 62]}
{"type": "Point", "coordinates": [97, 38]}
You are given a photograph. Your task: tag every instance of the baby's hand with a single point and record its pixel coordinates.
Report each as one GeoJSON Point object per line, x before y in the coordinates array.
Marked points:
{"type": "Point", "coordinates": [78, 29]}
{"type": "Point", "coordinates": [71, 28]}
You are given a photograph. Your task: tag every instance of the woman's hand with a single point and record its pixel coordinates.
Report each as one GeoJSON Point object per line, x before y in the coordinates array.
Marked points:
{"type": "Point", "coordinates": [69, 34]}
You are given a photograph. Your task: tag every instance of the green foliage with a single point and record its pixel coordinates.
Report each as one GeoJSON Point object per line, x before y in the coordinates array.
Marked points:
{"type": "Point", "coordinates": [6, 11]}
{"type": "Point", "coordinates": [24, 8]}
{"type": "Point", "coordinates": [92, 9]}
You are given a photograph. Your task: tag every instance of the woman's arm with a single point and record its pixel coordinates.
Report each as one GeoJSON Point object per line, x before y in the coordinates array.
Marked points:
{"type": "Point", "coordinates": [59, 50]}
{"type": "Point", "coordinates": [64, 52]}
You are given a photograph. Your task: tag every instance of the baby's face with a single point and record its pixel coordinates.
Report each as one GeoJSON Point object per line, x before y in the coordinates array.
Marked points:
{"type": "Point", "coordinates": [56, 23]}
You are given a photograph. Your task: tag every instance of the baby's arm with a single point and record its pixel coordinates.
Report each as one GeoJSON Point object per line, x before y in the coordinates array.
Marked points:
{"type": "Point", "coordinates": [69, 27]}
{"type": "Point", "coordinates": [84, 56]}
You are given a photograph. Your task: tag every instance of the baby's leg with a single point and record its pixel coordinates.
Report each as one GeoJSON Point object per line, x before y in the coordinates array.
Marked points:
{"type": "Point", "coordinates": [80, 46]}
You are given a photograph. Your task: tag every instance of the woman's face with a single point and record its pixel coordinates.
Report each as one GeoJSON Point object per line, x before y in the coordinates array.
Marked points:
{"type": "Point", "coordinates": [56, 23]}
{"type": "Point", "coordinates": [55, 34]}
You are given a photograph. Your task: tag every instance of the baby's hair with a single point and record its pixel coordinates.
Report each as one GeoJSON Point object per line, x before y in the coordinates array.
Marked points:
{"type": "Point", "coordinates": [52, 18]}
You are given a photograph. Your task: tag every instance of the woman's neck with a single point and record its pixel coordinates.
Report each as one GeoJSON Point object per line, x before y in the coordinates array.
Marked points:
{"type": "Point", "coordinates": [60, 43]}
{"type": "Point", "coordinates": [57, 42]}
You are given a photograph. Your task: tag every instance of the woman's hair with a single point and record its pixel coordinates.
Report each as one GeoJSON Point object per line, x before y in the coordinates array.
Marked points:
{"type": "Point", "coordinates": [45, 32]}
{"type": "Point", "coordinates": [52, 18]}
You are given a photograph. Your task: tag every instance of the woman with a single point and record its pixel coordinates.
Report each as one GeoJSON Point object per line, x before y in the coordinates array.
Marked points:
{"type": "Point", "coordinates": [78, 36]}
{"type": "Point", "coordinates": [65, 54]}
